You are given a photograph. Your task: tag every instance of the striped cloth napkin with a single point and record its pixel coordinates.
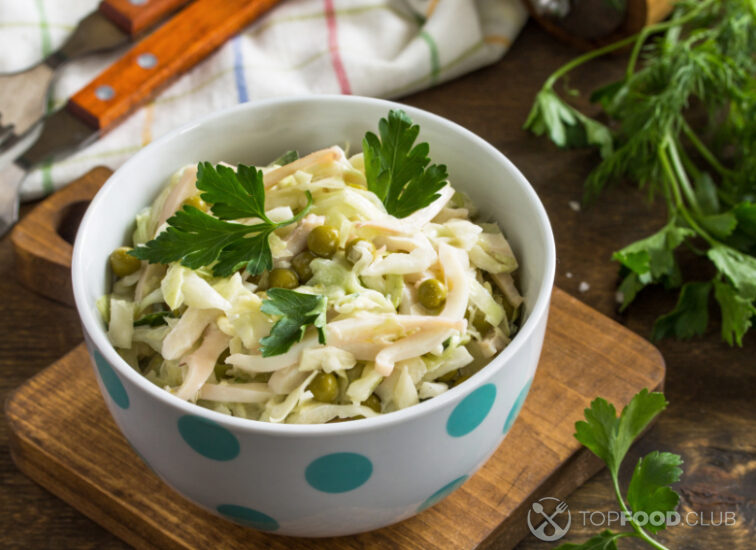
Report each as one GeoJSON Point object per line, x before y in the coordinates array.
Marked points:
{"type": "Point", "coordinates": [381, 48]}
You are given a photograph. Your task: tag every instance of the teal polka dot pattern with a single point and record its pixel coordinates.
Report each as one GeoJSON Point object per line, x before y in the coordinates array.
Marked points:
{"type": "Point", "coordinates": [471, 411]}
{"type": "Point", "coordinates": [208, 438]}
{"type": "Point", "coordinates": [110, 380]}
{"type": "Point", "coordinates": [248, 516]}
{"type": "Point", "coordinates": [442, 493]}
{"type": "Point", "coordinates": [338, 472]}
{"type": "Point", "coordinates": [517, 406]}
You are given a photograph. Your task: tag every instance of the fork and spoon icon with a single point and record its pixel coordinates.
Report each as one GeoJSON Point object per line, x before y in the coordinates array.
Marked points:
{"type": "Point", "coordinates": [558, 530]}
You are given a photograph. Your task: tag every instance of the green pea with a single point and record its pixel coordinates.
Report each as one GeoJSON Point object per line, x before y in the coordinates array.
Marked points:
{"type": "Point", "coordinates": [374, 402]}
{"type": "Point", "coordinates": [124, 263]}
{"type": "Point", "coordinates": [432, 293]}
{"type": "Point", "coordinates": [283, 277]}
{"type": "Point", "coordinates": [301, 264]}
{"type": "Point", "coordinates": [355, 247]}
{"type": "Point", "coordinates": [323, 241]}
{"type": "Point", "coordinates": [324, 387]}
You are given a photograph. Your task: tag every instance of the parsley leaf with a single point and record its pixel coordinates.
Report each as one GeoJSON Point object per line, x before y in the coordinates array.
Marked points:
{"type": "Point", "coordinates": [648, 491]}
{"type": "Point", "coordinates": [197, 239]}
{"type": "Point", "coordinates": [690, 317]}
{"type": "Point", "coordinates": [609, 437]}
{"type": "Point", "coordinates": [566, 126]}
{"type": "Point", "coordinates": [737, 312]}
{"type": "Point", "coordinates": [297, 311]}
{"type": "Point", "coordinates": [653, 257]}
{"type": "Point", "coordinates": [739, 268]}
{"type": "Point", "coordinates": [233, 194]}
{"type": "Point", "coordinates": [629, 288]}
{"type": "Point", "coordinates": [396, 170]}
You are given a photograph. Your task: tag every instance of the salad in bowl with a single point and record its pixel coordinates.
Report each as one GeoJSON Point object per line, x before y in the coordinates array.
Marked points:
{"type": "Point", "coordinates": [318, 289]}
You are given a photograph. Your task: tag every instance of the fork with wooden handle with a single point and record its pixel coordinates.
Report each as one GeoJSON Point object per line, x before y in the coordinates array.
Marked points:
{"type": "Point", "coordinates": [156, 60]}
{"type": "Point", "coordinates": [113, 24]}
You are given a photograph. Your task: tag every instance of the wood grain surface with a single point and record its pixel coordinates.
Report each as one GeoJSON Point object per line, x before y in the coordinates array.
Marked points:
{"type": "Point", "coordinates": [182, 42]}
{"type": "Point", "coordinates": [134, 17]}
{"type": "Point", "coordinates": [42, 239]}
{"type": "Point", "coordinates": [711, 419]}
{"type": "Point", "coordinates": [63, 437]}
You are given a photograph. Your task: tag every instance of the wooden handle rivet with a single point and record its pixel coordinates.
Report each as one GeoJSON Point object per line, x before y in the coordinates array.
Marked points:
{"type": "Point", "coordinates": [147, 60]}
{"type": "Point", "coordinates": [105, 92]}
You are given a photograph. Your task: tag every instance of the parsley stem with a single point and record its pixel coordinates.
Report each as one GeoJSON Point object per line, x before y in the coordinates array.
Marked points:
{"type": "Point", "coordinates": [639, 531]}
{"type": "Point", "coordinates": [704, 151]}
{"type": "Point", "coordinates": [682, 176]}
{"type": "Point", "coordinates": [564, 69]}
{"type": "Point", "coordinates": [642, 36]}
{"type": "Point", "coordinates": [672, 179]}
{"type": "Point", "coordinates": [638, 39]}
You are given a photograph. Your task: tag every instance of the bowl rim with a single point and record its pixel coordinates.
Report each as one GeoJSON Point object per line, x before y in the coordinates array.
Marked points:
{"type": "Point", "coordinates": [97, 335]}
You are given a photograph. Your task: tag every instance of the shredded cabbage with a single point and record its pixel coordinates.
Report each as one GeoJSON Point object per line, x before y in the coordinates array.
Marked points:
{"type": "Point", "coordinates": [121, 328]}
{"type": "Point", "coordinates": [198, 336]}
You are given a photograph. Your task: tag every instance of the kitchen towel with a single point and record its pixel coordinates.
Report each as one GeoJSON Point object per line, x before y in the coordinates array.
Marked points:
{"type": "Point", "coordinates": [380, 48]}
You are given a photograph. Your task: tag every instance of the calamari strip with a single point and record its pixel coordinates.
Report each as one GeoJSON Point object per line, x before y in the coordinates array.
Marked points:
{"type": "Point", "coordinates": [415, 221]}
{"type": "Point", "coordinates": [297, 239]}
{"type": "Point", "coordinates": [187, 331]}
{"type": "Point", "coordinates": [254, 392]}
{"type": "Point", "coordinates": [454, 263]}
{"type": "Point", "coordinates": [201, 362]}
{"type": "Point", "coordinates": [331, 154]}
{"type": "Point", "coordinates": [184, 188]}
{"type": "Point", "coordinates": [421, 257]}
{"type": "Point", "coordinates": [414, 345]}
{"type": "Point", "coordinates": [256, 363]}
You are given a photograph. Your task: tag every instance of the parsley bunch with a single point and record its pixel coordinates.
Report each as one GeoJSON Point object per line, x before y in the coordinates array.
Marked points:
{"type": "Point", "coordinates": [609, 438]}
{"type": "Point", "coordinates": [198, 239]}
{"type": "Point", "coordinates": [702, 59]}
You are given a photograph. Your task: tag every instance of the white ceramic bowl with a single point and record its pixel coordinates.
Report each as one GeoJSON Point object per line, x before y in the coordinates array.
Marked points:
{"type": "Point", "coordinates": [331, 479]}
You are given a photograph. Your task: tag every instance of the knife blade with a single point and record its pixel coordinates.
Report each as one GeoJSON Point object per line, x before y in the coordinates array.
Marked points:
{"type": "Point", "coordinates": [155, 61]}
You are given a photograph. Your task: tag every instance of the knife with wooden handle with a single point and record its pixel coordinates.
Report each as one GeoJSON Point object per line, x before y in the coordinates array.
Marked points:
{"type": "Point", "coordinates": [157, 59]}
{"type": "Point", "coordinates": [135, 16]}
{"type": "Point", "coordinates": [141, 73]}
{"type": "Point", "coordinates": [150, 65]}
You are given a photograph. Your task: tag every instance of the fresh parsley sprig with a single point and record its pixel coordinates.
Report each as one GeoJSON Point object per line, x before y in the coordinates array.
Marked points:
{"type": "Point", "coordinates": [397, 170]}
{"type": "Point", "coordinates": [198, 239]}
{"type": "Point", "coordinates": [609, 438]}
{"type": "Point", "coordinates": [296, 312]}
{"type": "Point", "coordinates": [705, 55]}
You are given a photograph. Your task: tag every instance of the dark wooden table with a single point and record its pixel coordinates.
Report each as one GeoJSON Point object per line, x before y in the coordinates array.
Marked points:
{"type": "Point", "coordinates": [711, 420]}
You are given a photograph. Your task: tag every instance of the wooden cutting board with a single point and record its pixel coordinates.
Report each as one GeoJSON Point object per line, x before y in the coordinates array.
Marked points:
{"type": "Point", "coordinates": [63, 437]}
